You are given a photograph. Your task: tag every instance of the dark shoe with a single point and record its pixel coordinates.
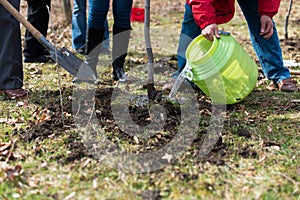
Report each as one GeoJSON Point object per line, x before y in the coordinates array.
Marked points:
{"type": "Point", "coordinates": [119, 52]}
{"type": "Point", "coordinates": [46, 52]}
{"type": "Point", "coordinates": [38, 59]}
{"type": "Point", "coordinates": [81, 51]}
{"type": "Point", "coordinates": [14, 93]}
{"type": "Point", "coordinates": [119, 75]}
{"type": "Point", "coordinates": [287, 85]}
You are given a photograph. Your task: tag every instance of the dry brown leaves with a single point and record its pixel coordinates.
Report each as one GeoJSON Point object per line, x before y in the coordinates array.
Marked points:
{"type": "Point", "coordinates": [8, 172]}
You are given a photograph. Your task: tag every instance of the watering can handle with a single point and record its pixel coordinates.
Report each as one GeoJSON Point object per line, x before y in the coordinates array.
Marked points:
{"type": "Point", "coordinates": [221, 32]}
{"type": "Point", "coordinates": [189, 74]}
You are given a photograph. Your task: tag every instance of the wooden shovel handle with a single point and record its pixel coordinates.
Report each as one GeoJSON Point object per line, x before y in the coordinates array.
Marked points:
{"type": "Point", "coordinates": [21, 19]}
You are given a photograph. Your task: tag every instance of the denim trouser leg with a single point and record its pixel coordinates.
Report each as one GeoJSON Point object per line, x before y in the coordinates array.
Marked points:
{"type": "Point", "coordinates": [105, 43]}
{"type": "Point", "coordinates": [189, 31]}
{"type": "Point", "coordinates": [79, 24]}
{"type": "Point", "coordinates": [121, 13]}
{"type": "Point", "coordinates": [97, 13]}
{"type": "Point", "coordinates": [268, 51]}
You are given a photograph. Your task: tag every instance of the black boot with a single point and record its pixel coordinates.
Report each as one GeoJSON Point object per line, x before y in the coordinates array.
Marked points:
{"type": "Point", "coordinates": [119, 52]}
{"type": "Point", "coordinates": [38, 16]}
{"type": "Point", "coordinates": [94, 38]}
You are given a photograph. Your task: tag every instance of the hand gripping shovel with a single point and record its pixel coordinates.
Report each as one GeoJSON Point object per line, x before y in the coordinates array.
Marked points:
{"type": "Point", "coordinates": [62, 57]}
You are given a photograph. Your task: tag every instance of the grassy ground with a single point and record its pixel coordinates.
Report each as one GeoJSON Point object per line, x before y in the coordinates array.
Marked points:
{"type": "Point", "coordinates": [43, 155]}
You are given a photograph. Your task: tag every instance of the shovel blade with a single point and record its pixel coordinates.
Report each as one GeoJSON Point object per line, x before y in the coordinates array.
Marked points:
{"type": "Point", "coordinates": [74, 65]}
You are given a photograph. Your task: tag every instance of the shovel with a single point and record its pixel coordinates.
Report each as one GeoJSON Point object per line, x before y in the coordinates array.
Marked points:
{"type": "Point", "coordinates": [150, 85]}
{"type": "Point", "coordinates": [62, 57]}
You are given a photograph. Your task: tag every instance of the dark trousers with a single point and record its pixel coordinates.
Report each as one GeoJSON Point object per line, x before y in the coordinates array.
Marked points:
{"type": "Point", "coordinates": [38, 16]}
{"type": "Point", "coordinates": [11, 69]}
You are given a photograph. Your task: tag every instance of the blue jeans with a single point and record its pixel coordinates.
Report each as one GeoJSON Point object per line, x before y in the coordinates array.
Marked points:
{"type": "Point", "coordinates": [98, 12]}
{"type": "Point", "coordinates": [79, 23]}
{"type": "Point", "coordinates": [189, 31]}
{"type": "Point", "coordinates": [268, 51]}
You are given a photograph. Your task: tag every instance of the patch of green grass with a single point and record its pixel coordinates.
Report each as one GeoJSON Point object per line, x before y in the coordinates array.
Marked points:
{"type": "Point", "coordinates": [259, 159]}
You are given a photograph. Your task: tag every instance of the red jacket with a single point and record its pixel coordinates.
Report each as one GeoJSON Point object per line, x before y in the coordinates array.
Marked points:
{"type": "Point", "coordinates": [208, 12]}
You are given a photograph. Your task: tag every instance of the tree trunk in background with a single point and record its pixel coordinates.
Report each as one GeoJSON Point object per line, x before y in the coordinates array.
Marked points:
{"type": "Point", "coordinates": [67, 11]}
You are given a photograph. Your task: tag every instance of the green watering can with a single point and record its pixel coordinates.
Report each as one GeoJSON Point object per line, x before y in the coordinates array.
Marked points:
{"type": "Point", "coordinates": [221, 68]}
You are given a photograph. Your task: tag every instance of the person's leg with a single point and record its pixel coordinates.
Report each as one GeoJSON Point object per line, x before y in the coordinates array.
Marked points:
{"type": "Point", "coordinates": [106, 35]}
{"type": "Point", "coordinates": [121, 13]}
{"type": "Point", "coordinates": [189, 31]}
{"type": "Point", "coordinates": [38, 16]}
{"type": "Point", "coordinates": [95, 30]}
{"type": "Point", "coordinates": [268, 51]}
{"type": "Point", "coordinates": [79, 25]}
{"type": "Point", "coordinates": [105, 44]}
{"type": "Point", "coordinates": [97, 14]}
{"type": "Point", "coordinates": [121, 35]}
{"type": "Point", "coordinates": [11, 68]}
{"type": "Point", "coordinates": [96, 23]}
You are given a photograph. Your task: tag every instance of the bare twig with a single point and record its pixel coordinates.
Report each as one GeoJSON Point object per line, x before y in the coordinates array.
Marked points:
{"type": "Point", "coordinates": [60, 95]}
{"type": "Point", "coordinates": [58, 74]}
{"type": "Point", "coordinates": [287, 20]}
{"type": "Point", "coordinates": [10, 150]}
{"type": "Point", "coordinates": [287, 178]}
